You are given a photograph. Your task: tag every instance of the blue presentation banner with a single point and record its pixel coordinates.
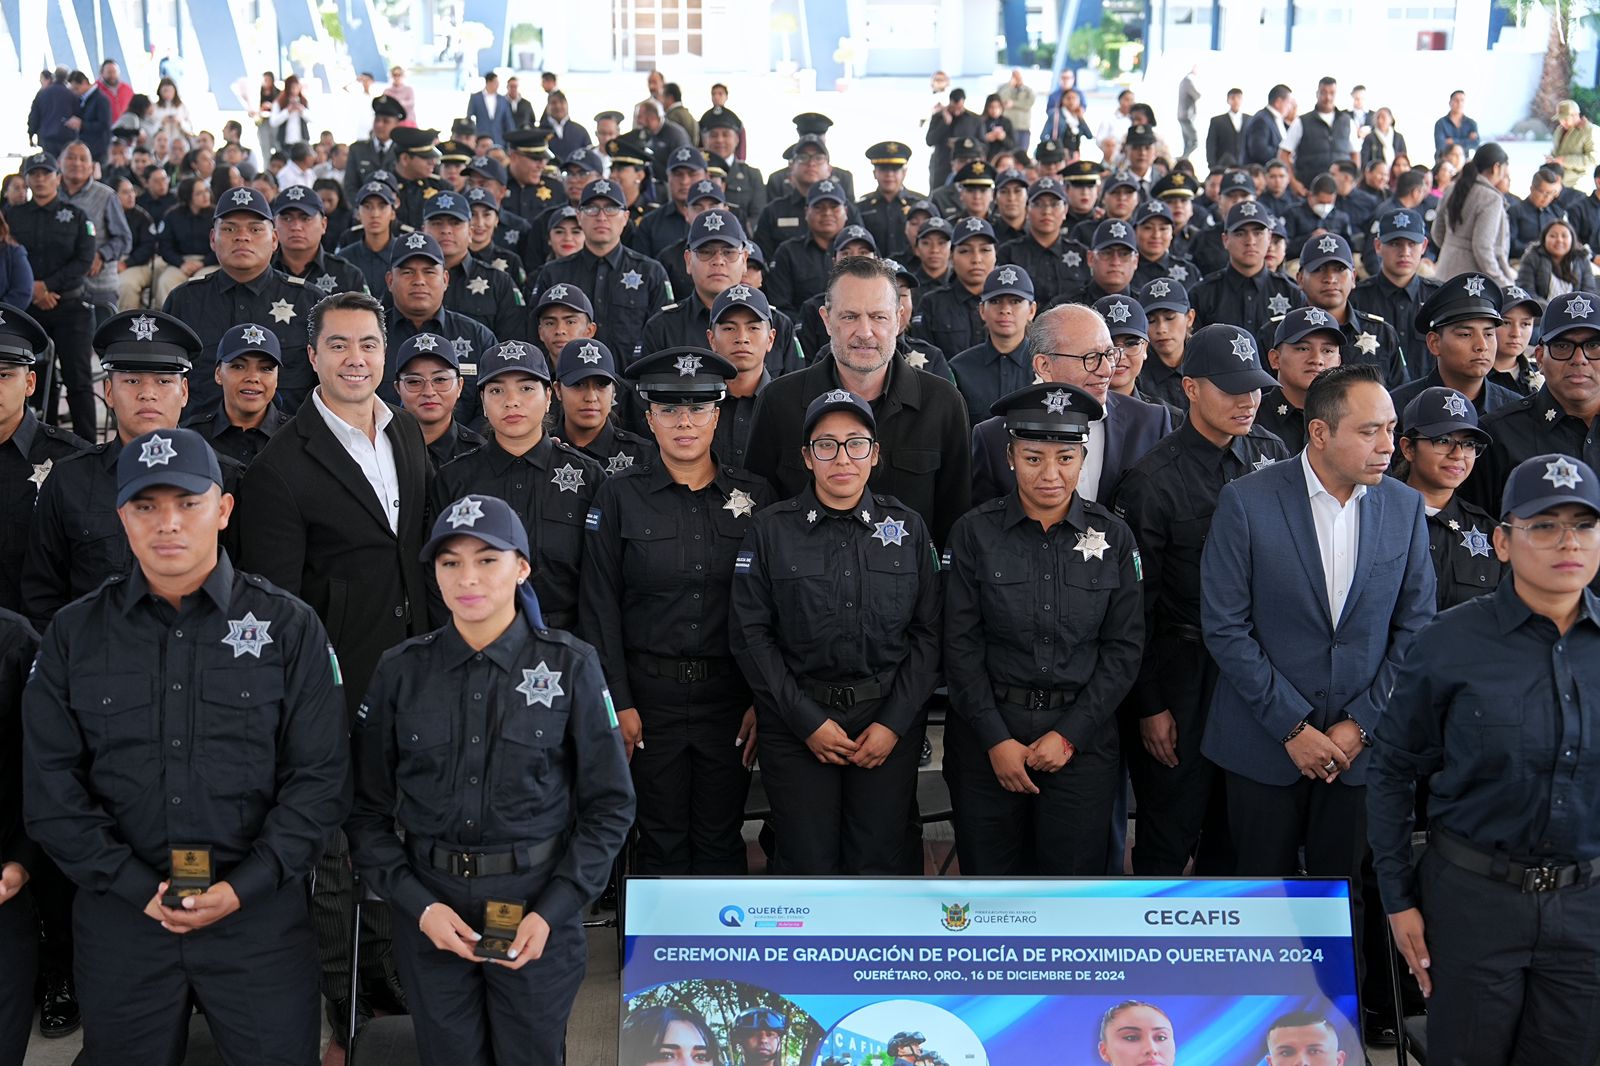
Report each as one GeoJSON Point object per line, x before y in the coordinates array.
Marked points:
{"type": "Point", "coordinates": [1009, 972]}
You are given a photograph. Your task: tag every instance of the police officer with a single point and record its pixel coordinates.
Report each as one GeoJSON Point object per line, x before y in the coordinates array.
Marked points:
{"type": "Point", "coordinates": [742, 331]}
{"type": "Point", "coordinates": [801, 264]}
{"type": "Point", "coordinates": [245, 288]}
{"type": "Point", "coordinates": [300, 223]}
{"type": "Point", "coordinates": [489, 744]}
{"type": "Point", "coordinates": [946, 197]}
{"type": "Point", "coordinates": [1395, 292]}
{"type": "Point", "coordinates": [657, 570]}
{"type": "Point", "coordinates": [1514, 367]}
{"type": "Point", "coordinates": [1002, 362]}
{"type": "Point", "coordinates": [1167, 499]}
{"type": "Point", "coordinates": [577, 170]}
{"type": "Point", "coordinates": [1153, 229]}
{"type": "Point", "coordinates": [835, 623]}
{"type": "Point", "coordinates": [1208, 249]}
{"type": "Point", "coordinates": [669, 223]}
{"type": "Point", "coordinates": [1051, 258]}
{"type": "Point", "coordinates": [376, 150]}
{"type": "Point", "coordinates": [1010, 214]}
{"type": "Point", "coordinates": [240, 425]}
{"type": "Point", "coordinates": [29, 449]}
{"type": "Point", "coordinates": [811, 129]}
{"type": "Point", "coordinates": [415, 159]}
{"type": "Point", "coordinates": [931, 254]}
{"type": "Point", "coordinates": [784, 217]}
{"type": "Point", "coordinates": [1082, 180]}
{"type": "Point", "coordinates": [372, 243]}
{"type": "Point", "coordinates": [1307, 342]}
{"type": "Point", "coordinates": [758, 1036]}
{"type": "Point", "coordinates": [1244, 292]}
{"type": "Point", "coordinates": [428, 377]}
{"type": "Point", "coordinates": [1119, 196]}
{"type": "Point", "coordinates": [488, 175]}
{"type": "Point", "coordinates": [549, 484]}
{"type": "Point", "coordinates": [474, 288]}
{"type": "Point", "coordinates": [1560, 417]}
{"type": "Point", "coordinates": [948, 316]}
{"type": "Point", "coordinates": [631, 162]}
{"type": "Point", "coordinates": [61, 249]}
{"type": "Point", "coordinates": [418, 286]}
{"type": "Point", "coordinates": [974, 185]}
{"type": "Point", "coordinates": [714, 257]}
{"type": "Point", "coordinates": [1168, 318]}
{"type": "Point", "coordinates": [883, 211]}
{"type": "Point", "coordinates": [1177, 190]}
{"type": "Point", "coordinates": [1112, 258]}
{"type": "Point", "coordinates": [586, 388]}
{"type": "Point", "coordinates": [19, 856]}
{"type": "Point", "coordinates": [1460, 325]}
{"type": "Point", "coordinates": [485, 236]}
{"type": "Point", "coordinates": [1326, 277]}
{"type": "Point", "coordinates": [702, 196]}
{"type": "Point", "coordinates": [720, 132]}
{"type": "Point", "coordinates": [1499, 919]}
{"type": "Point", "coordinates": [225, 690]}
{"type": "Point", "coordinates": [454, 155]}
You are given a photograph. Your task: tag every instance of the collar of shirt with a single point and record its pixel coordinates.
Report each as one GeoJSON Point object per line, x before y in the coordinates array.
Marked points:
{"type": "Point", "coordinates": [434, 323]}
{"type": "Point", "coordinates": [1314, 486]}
{"type": "Point", "coordinates": [256, 285]}
{"type": "Point", "coordinates": [903, 389]}
{"type": "Point", "coordinates": [218, 586]}
{"type": "Point", "coordinates": [314, 264]}
{"type": "Point", "coordinates": [22, 438]}
{"type": "Point", "coordinates": [612, 259]}
{"type": "Point", "coordinates": [505, 651]}
{"type": "Point", "coordinates": [343, 430]}
{"type": "Point", "coordinates": [1190, 439]}
{"type": "Point", "coordinates": [807, 501]}
{"type": "Point", "coordinates": [659, 477]}
{"type": "Point", "coordinates": [1015, 515]}
{"type": "Point", "coordinates": [1511, 612]}
{"type": "Point", "coordinates": [1544, 401]}
{"type": "Point", "coordinates": [538, 456]}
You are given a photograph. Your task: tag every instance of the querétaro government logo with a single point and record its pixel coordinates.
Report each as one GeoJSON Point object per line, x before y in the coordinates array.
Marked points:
{"type": "Point", "coordinates": [955, 916]}
{"type": "Point", "coordinates": [731, 916]}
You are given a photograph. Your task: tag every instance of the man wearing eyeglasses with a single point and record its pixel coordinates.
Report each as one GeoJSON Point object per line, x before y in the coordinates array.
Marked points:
{"type": "Point", "coordinates": [714, 260]}
{"type": "Point", "coordinates": [1563, 416]}
{"type": "Point", "coordinates": [428, 375]}
{"type": "Point", "coordinates": [1500, 918]}
{"type": "Point", "coordinates": [417, 282]}
{"type": "Point", "coordinates": [1458, 323]}
{"type": "Point", "coordinates": [625, 287]}
{"type": "Point", "coordinates": [1071, 344]}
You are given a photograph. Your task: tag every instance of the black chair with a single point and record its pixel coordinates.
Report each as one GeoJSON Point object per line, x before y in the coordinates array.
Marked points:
{"type": "Point", "coordinates": [392, 1035]}
{"type": "Point", "coordinates": [933, 805]}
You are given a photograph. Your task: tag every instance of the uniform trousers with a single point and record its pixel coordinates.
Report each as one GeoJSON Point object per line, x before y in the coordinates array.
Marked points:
{"type": "Point", "coordinates": [254, 974]}
{"type": "Point", "coordinates": [19, 946]}
{"type": "Point", "coordinates": [70, 325]}
{"type": "Point", "coordinates": [481, 1014]}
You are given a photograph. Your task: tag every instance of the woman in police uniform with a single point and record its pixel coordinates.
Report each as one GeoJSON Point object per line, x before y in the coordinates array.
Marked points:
{"type": "Point", "coordinates": [654, 602]}
{"type": "Point", "coordinates": [835, 623]}
{"type": "Point", "coordinates": [1043, 636]}
{"type": "Point", "coordinates": [1439, 443]}
{"type": "Point", "coordinates": [491, 792]}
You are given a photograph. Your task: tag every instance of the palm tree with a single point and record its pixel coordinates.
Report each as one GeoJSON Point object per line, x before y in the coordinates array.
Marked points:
{"type": "Point", "coordinates": [1555, 78]}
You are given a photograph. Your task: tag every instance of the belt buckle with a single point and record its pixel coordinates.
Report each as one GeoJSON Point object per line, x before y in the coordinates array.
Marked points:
{"type": "Point", "coordinates": [842, 696]}
{"type": "Point", "coordinates": [1541, 879]}
{"type": "Point", "coordinates": [464, 864]}
{"type": "Point", "coordinates": [691, 670]}
{"type": "Point", "coordinates": [1038, 699]}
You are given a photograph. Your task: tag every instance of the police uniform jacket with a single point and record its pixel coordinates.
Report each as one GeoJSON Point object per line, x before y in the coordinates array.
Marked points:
{"type": "Point", "coordinates": [799, 271]}
{"type": "Point", "coordinates": [661, 228]}
{"type": "Point", "coordinates": [1491, 397]}
{"type": "Point", "coordinates": [468, 338]}
{"type": "Point", "coordinates": [784, 218]}
{"type": "Point", "coordinates": [1160, 383]}
{"type": "Point", "coordinates": [1281, 418]}
{"type": "Point", "coordinates": [1459, 542]}
{"type": "Point", "coordinates": [1380, 297]}
{"type": "Point", "coordinates": [823, 599]}
{"type": "Point", "coordinates": [1367, 338]}
{"type": "Point", "coordinates": [26, 461]}
{"type": "Point", "coordinates": [364, 157]}
{"type": "Point", "coordinates": [1043, 619]}
{"type": "Point", "coordinates": [309, 522]}
{"type": "Point", "coordinates": [1249, 303]}
{"type": "Point", "coordinates": [414, 196]}
{"type": "Point", "coordinates": [217, 724]}
{"type": "Point", "coordinates": [225, 438]}
{"type": "Point", "coordinates": [327, 274]}
{"type": "Point", "coordinates": [613, 447]}
{"type": "Point", "coordinates": [216, 303]}
{"type": "Point", "coordinates": [736, 418]}
{"type": "Point", "coordinates": [922, 438]}
{"type": "Point", "coordinates": [885, 216]}
{"type": "Point", "coordinates": [551, 488]}
{"type": "Point", "coordinates": [374, 266]}
{"type": "Point", "coordinates": [746, 192]}
{"type": "Point", "coordinates": [513, 745]}
{"type": "Point", "coordinates": [1055, 270]}
{"type": "Point", "coordinates": [984, 374]}
{"type": "Point", "coordinates": [626, 288]}
{"type": "Point", "coordinates": [1178, 268]}
{"type": "Point", "coordinates": [184, 233]}
{"type": "Point", "coordinates": [479, 291]}
{"type": "Point", "coordinates": [657, 569]}
{"type": "Point", "coordinates": [1533, 425]}
{"type": "Point", "coordinates": [18, 646]}
{"type": "Point", "coordinates": [59, 242]}
{"type": "Point", "coordinates": [458, 439]}
{"type": "Point", "coordinates": [948, 318]}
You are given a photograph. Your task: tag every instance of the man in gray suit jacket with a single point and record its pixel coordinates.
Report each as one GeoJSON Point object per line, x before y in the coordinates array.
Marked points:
{"type": "Point", "coordinates": [1315, 581]}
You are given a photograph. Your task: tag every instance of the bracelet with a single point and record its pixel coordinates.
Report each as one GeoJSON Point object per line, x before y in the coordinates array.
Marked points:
{"type": "Point", "coordinates": [424, 915]}
{"type": "Point", "coordinates": [1296, 731]}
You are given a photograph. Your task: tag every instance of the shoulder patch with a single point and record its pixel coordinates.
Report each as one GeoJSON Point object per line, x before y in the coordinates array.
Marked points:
{"type": "Point", "coordinates": [591, 521]}
{"type": "Point", "coordinates": [743, 562]}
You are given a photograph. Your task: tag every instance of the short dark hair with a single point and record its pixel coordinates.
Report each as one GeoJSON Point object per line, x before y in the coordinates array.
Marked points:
{"type": "Point", "coordinates": [1358, 88]}
{"type": "Point", "coordinates": [1411, 181]}
{"type": "Point", "coordinates": [1277, 164]}
{"type": "Point", "coordinates": [672, 89]}
{"type": "Point", "coordinates": [490, 75]}
{"type": "Point", "coordinates": [1546, 176]}
{"type": "Point", "coordinates": [300, 150]}
{"type": "Point", "coordinates": [718, 85]}
{"type": "Point", "coordinates": [107, 62]}
{"type": "Point", "coordinates": [1324, 183]}
{"type": "Point", "coordinates": [1345, 166]}
{"type": "Point", "coordinates": [1375, 162]}
{"type": "Point", "coordinates": [865, 267]}
{"type": "Point", "coordinates": [1326, 80]}
{"type": "Point", "coordinates": [1277, 92]}
{"type": "Point", "coordinates": [957, 94]}
{"type": "Point", "coordinates": [1235, 91]}
{"type": "Point", "coordinates": [78, 77]}
{"type": "Point", "coordinates": [343, 301]}
{"type": "Point", "coordinates": [1326, 400]}
{"type": "Point", "coordinates": [557, 94]}
{"type": "Point", "coordinates": [1300, 1018]}
{"type": "Point", "coordinates": [1457, 92]}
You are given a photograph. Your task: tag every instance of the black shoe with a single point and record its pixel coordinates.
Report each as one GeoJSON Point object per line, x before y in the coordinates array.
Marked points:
{"type": "Point", "coordinates": [58, 1014]}
{"type": "Point", "coordinates": [1379, 1032]}
{"type": "Point", "coordinates": [926, 758]}
{"type": "Point", "coordinates": [339, 1019]}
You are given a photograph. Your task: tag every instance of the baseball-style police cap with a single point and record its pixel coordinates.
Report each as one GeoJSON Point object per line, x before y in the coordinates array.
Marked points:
{"type": "Point", "coordinates": [480, 197]}
{"type": "Point", "coordinates": [923, 207]}
{"type": "Point", "coordinates": [826, 189]}
{"type": "Point", "coordinates": [487, 168]}
{"type": "Point", "coordinates": [246, 199]}
{"type": "Point", "coordinates": [409, 140]}
{"type": "Point", "coordinates": [1248, 213]}
{"type": "Point", "coordinates": [1050, 411]}
{"type": "Point", "coordinates": [971, 228]}
{"type": "Point", "coordinates": [1007, 280]}
{"type": "Point", "coordinates": [975, 175]}
{"type": "Point", "coordinates": [716, 224]}
{"type": "Point", "coordinates": [808, 142]}
{"type": "Point", "coordinates": [1010, 177]}
{"type": "Point", "coordinates": [1082, 172]}
{"type": "Point", "coordinates": [249, 338]}
{"type": "Point", "coordinates": [1049, 151]}
{"type": "Point", "coordinates": [446, 204]}
{"type": "Point", "coordinates": [686, 158]}
{"type": "Point", "coordinates": [741, 296]}
{"type": "Point", "coordinates": [837, 400]}
{"type": "Point", "coordinates": [1301, 322]}
{"type": "Point", "coordinates": [706, 189]}
{"type": "Point", "coordinates": [936, 225]}
{"type": "Point", "coordinates": [1515, 296]}
{"type": "Point", "coordinates": [1403, 224]}
{"type": "Point", "coordinates": [585, 358]}
{"type": "Point", "coordinates": [586, 160]}
{"type": "Point", "coordinates": [381, 189]}
{"type": "Point", "coordinates": [1327, 248]}
{"type": "Point", "coordinates": [555, 216]}
{"type": "Point", "coordinates": [1121, 179]}
{"type": "Point", "coordinates": [386, 106]}
{"type": "Point", "coordinates": [1237, 181]}
{"type": "Point", "coordinates": [412, 246]}
{"type": "Point", "coordinates": [1439, 411]}
{"type": "Point", "coordinates": [1277, 226]}
{"type": "Point", "coordinates": [387, 177]}
{"type": "Point", "coordinates": [40, 161]}
{"type": "Point", "coordinates": [1047, 186]}
{"type": "Point", "coordinates": [1463, 297]}
{"type": "Point", "coordinates": [683, 374]}
{"type": "Point", "coordinates": [1152, 210]}
{"type": "Point", "coordinates": [902, 273]}
{"type": "Point", "coordinates": [486, 518]}
{"type": "Point", "coordinates": [853, 235]}
{"type": "Point", "coordinates": [170, 458]}
{"type": "Point", "coordinates": [1548, 481]}
{"type": "Point", "coordinates": [23, 341]}
{"type": "Point", "coordinates": [603, 189]}
{"type": "Point", "coordinates": [889, 154]}
{"type": "Point", "coordinates": [1568, 312]}
{"type": "Point", "coordinates": [1113, 231]}
{"type": "Point", "coordinates": [1176, 185]}
{"type": "Point", "coordinates": [1124, 316]}
{"type": "Point", "coordinates": [754, 256]}
{"type": "Point", "coordinates": [1162, 294]}
{"type": "Point", "coordinates": [563, 294]}
{"type": "Point", "coordinates": [522, 357]}
{"type": "Point", "coordinates": [964, 148]}
{"type": "Point", "coordinates": [425, 344]}
{"type": "Point", "coordinates": [297, 198]}
{"type": "Point", "coordinates": [1226, 356]}
{"type": "Point", "coordinates": [146, 341]}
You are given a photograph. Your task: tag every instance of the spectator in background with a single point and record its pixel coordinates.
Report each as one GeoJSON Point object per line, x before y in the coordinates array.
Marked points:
{"type": "Point", "coordinates": [566, 136]}
{"type": "Point", "coordinates": [184, 241]}
{"type": "Point", "coordinates": [1066, 124]}
{"type": "Point", "coordinates": [299, 170]}
{"type": "Point", "coordinates": [1471, 228]}
{"type": "Point", "coordinates": [1573, 154]}
{"type": "Point", "coordinates": [1264, 132]}
{"type": "Point", "coordinates": [168, 111]}
{"type": "Point", "coordinates": [491, 116]}
{"type": "Point", "coordinates": [158, 197]}
{"type": "Point", "coordinates": [672, 103]}
{"type": "Point", "coordinates": [291, 117]}
{"type": "Point", "coordinates": [1188, 105]}
{"type": "Point", "coordinates": [14, 190]}
{"type": "Point", "coordinates": [1456, 128]}
{"type": "Point", "coordinates": [136, 271]}
{"type": "Point", "coordinates": [1384, 142]}
{"type": "Point", "coordinates": [117, 92]}
{"type": "Point", "coordinates": [1066, 82]}
{"type": "Point", "coordinates": [91, 123]}
{"type": "Point", "coordinates": [1114, 130]}
{"type": "Point", "coordinates": [99, 205]}
{"type": "Point", "coordinates": [948, 124]}
{"type": "Point", "coordinates": [1529, 216]}
{"type": "Point", "coordinates": [1017, 101]}
{"type": "Point", "coordinates": [1557, 263]}
{"type": "Point", "coordinates": [998, 133]}
{"type": "Point", "coordinates": [521, 107]}
{"type": "Point", "coordinates": [16, 275]}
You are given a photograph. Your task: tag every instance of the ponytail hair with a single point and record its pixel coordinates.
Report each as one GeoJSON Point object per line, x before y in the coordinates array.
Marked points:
{"type": "Point", "coordinates": [1486, 158]}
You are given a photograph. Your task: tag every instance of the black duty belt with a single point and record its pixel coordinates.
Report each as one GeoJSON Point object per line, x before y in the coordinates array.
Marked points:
{"type": "Point", "coordinates": [843, 696]}
{"type": "Point", "coordinates": [1034, 699]}
{"type": "Point", "coordinates": [683, 671]}
{"type": "Point", "coordinates": [1497, 867]}
{"type": "Point", "coordinates": [1193, 634]}
{"type": "Point", "coordinates": [459, 862]}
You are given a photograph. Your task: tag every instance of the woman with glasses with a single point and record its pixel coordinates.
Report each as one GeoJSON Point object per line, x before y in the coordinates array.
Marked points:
{"type": "Point", "coordinates": [1439, 444]}
{"type": "Point", "coordinates": [657, 571]}
{"type": "Point", "coordinates": [428, 378]}
{"type": "Point", "coordinates": [835, 623]}
{"type": "Point", "coordinates": [1494, 706]}
{"type": "Point", "coordinates": [548, 483]}
{"type": "Point", "coordinates": [1043, 637]}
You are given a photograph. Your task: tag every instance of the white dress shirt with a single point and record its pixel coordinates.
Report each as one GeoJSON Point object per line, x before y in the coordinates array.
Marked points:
{"type": "Point", "coordinates": [1094, 461]}
{"type": "Point", "coordinates": [1338, 536]}
{"type": "Point", "coordinates": [375, 457]}
{"type": "Point", "coordinates": [1237, 118]}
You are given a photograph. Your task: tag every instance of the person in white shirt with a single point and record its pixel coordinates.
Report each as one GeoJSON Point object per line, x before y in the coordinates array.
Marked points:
{"type": "Point", "coordinates": [1114, 128]}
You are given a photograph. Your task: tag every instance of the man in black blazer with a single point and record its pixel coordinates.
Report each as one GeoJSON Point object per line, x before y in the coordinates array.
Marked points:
{"type": "Point", "coordinates": [1225, 135]}
{"type": "Point", "coordinates": [334, 511]}
{"type": "Point", "coordinates": [1265, 130]}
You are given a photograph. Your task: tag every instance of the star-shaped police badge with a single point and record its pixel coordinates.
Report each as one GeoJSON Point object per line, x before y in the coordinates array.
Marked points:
{"type": "Point", "coordinates": [143, 328]}
{"type": "Point", "coordinates": [1159, 287]}
{"type": "Point", "coordinates": [1057, 400]}
{"type": "Point", "coordinates": [1072, 259]}
{"type": "Point", "coordinates": [416, 240]}
{"type": "Point", "coordinates": [1119, 229]}
{"type": "Point", "coordinates": [1263, 462]}
{"type": "Point", "coordinates": [541, 685]}
{"type": "Point", "coordinates": [1476, 542]}
{"type": "Point", "coordinates": [618, 463]}
{"type": "Point", "coordinates": [157, 451]}
{"type": "Point", "coordinates": [41, 471]}
{"type": "Point", "coordinates": [713, 221]}
{"type": "Point", "coordinates": [253, 335]}
{"type": "Point", "coordinates": [465, 512]}
{"type": "Point", "coordinates": [632, 280]}
{"type": "Point", "coordinates": [1329, 243]}
{"type": "Point", "coordinates": [248, 635]}
{"type": "Point", "coordinates": [589, 353]}
{"type": "Point", "coordinates": [1474, 286]}
{"type": "Point", "coordinates": [478, 286]}
{"type": "Point", "coordinates": [1092, 543]}
{"type": "Point", "coordinates": [241, 196]}
{"type": "Point", "coordinates": [1550, 415]}
{"type": "Point", "coordinates": [295, 192]}
{"type": "Point", "coordinates": [688, 365]}
{"type": "Point", "coordinates": [1367, 343]}
{"type": "Point", "coordinates": [738, 292]}
{"type": "Point", "coordinates": [811, 516]}
{"type": "Point", "coordinates": [326, 283]}
{"type": "Point", "coordinates": [1562, 473]}
{"type": "Point", "coordinates": [1318, 317]}
{"type": "Point", "coordinates": [568, 478]}
{"type": "Point", "coordinates": [64, 215]}
{"type": "Point", "coordinates": [1007, 276]}
{"type": "Point", "coordinates": [740, 503]}
{"type": "Point", "coordinates": [1579, 307]}
{"type": "Point", "coordinates": [1249, 209]}
{"type": "Point", "coordinates": [426, 342]}
{"type": "Point", "coordinates": [1118, 312]}
{"type": "Point", "coordinates": [282, 311]}
{"type": "Point", "coordinates": [513, 350]}
{"type": "Point", "coordinates": [446, 201]}
{"type": "Point", "coordinates": [1278, 304]}
{"type": "Point", "coordinates": [974, 224]}
{"type": "Point", "coordinates": [890, 532]}
{"type": "Point", "coordinates": [1244, 347]}
{"type": "Point", "coordinates": [1178, 272]}
{"type": "Point", "coordinates": [462, 347]}
{"type": "Point", "coordinates": [916, 360]}
{"type": "Point", "coordinates": [1455, 404]}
